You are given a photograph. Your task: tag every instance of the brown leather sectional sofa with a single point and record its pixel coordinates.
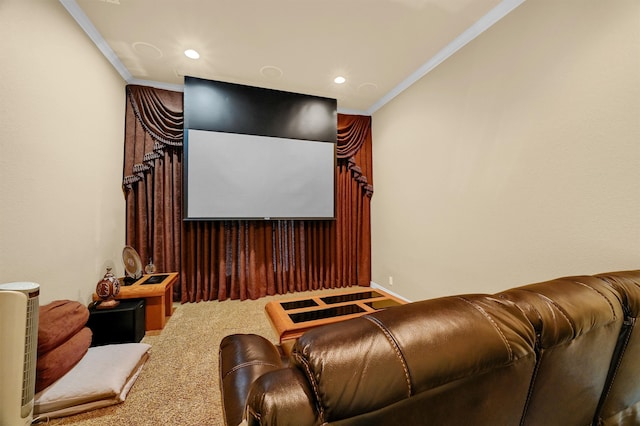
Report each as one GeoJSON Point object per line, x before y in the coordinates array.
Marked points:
{"type": "Point", "coordinates": [563, 352]}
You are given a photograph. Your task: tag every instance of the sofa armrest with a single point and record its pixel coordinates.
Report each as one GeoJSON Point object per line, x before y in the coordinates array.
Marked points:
{"type": "Point", "coordinates": [242, 359]}
{"type": "Point", "coordinates": [282, 398]}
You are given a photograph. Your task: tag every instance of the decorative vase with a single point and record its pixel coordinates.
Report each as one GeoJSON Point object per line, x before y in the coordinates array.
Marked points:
{"type": "Point", "coordinates": [107, 289]}
{"type": "Point", "coordinates": [150, 268]}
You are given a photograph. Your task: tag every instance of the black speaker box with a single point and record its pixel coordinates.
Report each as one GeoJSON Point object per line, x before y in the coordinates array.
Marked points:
{"type": "Point", "coordinates": [121, 324]}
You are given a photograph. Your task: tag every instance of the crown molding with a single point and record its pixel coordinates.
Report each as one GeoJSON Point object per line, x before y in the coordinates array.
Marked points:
{"type": "Point", "coordinates": [157, 84]}
{"type": "Point", "coordinates": [84, 22]}
{"type": "Point", "coordinates": [493, 16]}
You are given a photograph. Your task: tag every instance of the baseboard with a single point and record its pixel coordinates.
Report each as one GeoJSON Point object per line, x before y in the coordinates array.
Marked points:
{"type": "Point", "coordinates": [386, 290]}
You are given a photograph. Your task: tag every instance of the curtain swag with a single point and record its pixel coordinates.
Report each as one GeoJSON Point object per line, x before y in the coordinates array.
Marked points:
{"type": "Point", "coordinates": [352, 134]}
{"type": "Point", "coordinates": [362, 180]}
{"type": "Point", "coordinates": [163, 121]}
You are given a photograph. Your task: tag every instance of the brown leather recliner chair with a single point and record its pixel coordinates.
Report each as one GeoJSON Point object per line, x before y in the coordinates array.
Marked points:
{"type": "Point", "coordinates": [578, 321]}
{"type": "Point", "coordinates": [620, 403]}
{"type": "Point", "coordinates": [454, 360]}
{"type": "Point", "coordinates": [552, 353]}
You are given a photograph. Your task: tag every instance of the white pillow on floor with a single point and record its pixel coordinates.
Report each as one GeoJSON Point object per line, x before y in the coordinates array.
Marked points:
{"type": "Point", "coordinates": [102, 377]}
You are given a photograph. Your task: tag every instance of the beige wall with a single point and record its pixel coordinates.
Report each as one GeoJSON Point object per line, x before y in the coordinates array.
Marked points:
{"type": "Point", "coordinates": [62, 120]}
{"type": "Point", "coordinates": [516, 160]}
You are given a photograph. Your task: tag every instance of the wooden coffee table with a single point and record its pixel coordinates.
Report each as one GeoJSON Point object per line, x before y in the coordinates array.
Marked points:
{"type": "Point", "coordinates": [292, 317]}
{"type": "Point", "coordinates": [157, 292]}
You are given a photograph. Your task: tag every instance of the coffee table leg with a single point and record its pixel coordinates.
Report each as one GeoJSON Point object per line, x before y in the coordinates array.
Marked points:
{"type": "Point", "coordinates": [155, 306]}
{"type": "Point", "coordinates": [168, 300]}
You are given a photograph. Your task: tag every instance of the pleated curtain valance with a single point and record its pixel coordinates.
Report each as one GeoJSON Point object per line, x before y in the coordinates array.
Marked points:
{"type": "Point", "coordinates": [159, 115]}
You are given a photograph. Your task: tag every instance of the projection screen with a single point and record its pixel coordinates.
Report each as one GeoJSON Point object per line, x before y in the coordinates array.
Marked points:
{"type": "Point", "coordinates": [247, 176]}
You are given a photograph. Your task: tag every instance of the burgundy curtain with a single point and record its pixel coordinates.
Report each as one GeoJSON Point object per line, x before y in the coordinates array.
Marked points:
{"type": "Point", "coordinates": [240, 259]}
{"type": "Point", "coordinates": [152, 177]}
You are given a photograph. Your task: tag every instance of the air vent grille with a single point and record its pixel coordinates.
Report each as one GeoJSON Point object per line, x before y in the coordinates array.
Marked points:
{"type": "Point", "coordinates": [30, 351]}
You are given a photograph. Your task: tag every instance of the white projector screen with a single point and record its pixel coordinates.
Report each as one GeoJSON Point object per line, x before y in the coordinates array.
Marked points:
{"type": "Point", "coordinates": [238, 176]}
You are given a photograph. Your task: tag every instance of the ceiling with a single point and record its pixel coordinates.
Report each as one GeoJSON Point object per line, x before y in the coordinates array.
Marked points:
{"type": "Point", "coordinates": [379, 46]}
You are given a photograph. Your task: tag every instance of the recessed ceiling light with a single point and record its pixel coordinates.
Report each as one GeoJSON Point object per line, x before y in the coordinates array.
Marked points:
{"type": "Point", "coordinates": [368, 88]}
{"type": "Point", "coordinates": [147, 50]}
{"type": "Point", "coordinates": [190, 53]}
{"type": "Point", "coordinates": [339, 80]}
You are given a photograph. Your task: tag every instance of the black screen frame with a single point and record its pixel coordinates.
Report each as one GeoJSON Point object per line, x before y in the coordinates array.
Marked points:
{"type": "Point", "coordinates": [218, 106]}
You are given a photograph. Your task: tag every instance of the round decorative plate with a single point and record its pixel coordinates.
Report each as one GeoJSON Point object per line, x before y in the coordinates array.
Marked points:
{"type": "Point", "coordinates": [132, 262]}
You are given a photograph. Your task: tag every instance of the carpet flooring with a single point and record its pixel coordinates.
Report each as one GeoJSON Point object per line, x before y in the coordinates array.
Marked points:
{"type": "Point", "coordinates": [179, 383]}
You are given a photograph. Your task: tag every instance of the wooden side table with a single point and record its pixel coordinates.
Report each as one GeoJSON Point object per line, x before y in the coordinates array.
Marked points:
{"type": "Point", "coordinates": [157, 291]}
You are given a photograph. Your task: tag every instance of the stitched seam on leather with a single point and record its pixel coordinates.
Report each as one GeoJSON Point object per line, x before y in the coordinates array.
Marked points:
{"type": "Point", "coordinates": [495, 325]}
{"type": "Point", "coordinates": [613, 311]}
{"type": "Point", "coordinates": [519, 307]}
{"type": "Point", "coordinates": [396, 349]}
{"type": "Point", "coordinates": [314, 384]}
{"type": "Point", "coordinates": [564, 314]}
{"type": "Point", "coordinates": [559, 308]}
{"type": "Point", "coordinates": [536, 368]}
{"type": "Point", "coordinates": [254, 414]}
{"type": "Point", "coordinates": [249, 364]}
{"type": "Point", "coordinates": [224, 412]}
{"type": "Point", "coordinates": [615, 371]}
